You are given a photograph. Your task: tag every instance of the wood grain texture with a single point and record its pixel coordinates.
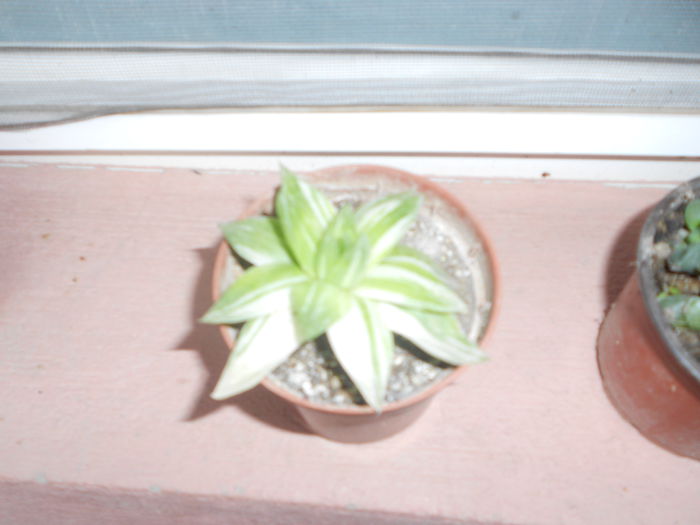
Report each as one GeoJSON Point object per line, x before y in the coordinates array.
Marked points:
{"type": "Point", "coordinates": [104, 372]}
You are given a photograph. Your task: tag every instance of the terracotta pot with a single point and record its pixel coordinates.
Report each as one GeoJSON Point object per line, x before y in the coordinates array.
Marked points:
{"type": "Point", "coordinates": [648, 374]}
{"type": "Point", "coordinates": [360, 423]}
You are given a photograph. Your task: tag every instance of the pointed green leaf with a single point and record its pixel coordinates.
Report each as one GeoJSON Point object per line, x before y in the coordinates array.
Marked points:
{"type": "Point", "coordinates": [304, 212]}
{"type": "Point", "coordinates": [409, 285]}
{"type": "Point", "coordinates": [365, 349]}
{"type": "Point", "coordinates": [673, 306]}
{"type": "Point", "coordinates": [685, 258]}
{"type": "Point", "coordinates": [693, 237]}
{"type": "Point", "coordinates": [316, 305]}
{"type": "Point", "coordinates": [258, 240]}
{"type": "Point", "coordinates": [259, 291]}
{"type": "Point", "coordinates": [415, 261]}
{"type": "Point", "coordinates": [386, 220]}
{"type": "Point", "coordinates": [682, 310]}
{"type": "Point", "coordinates": [262, 345]}
{"type": "Point", "coordinates": [692, 214]}
{"type": "Point", "coordinates": [439, 335]}
{"type": "Point", "coordinates": [343, 252]}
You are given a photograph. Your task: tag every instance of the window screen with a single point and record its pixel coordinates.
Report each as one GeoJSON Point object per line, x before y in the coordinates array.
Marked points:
{"type": "Point", "coordinates": [72, 59]}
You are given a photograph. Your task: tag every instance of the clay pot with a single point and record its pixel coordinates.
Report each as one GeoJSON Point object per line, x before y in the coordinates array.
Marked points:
{"type": "Point", "coordinates": [648, 374]}
{"type": "Point", "coordinates": [360, 423]}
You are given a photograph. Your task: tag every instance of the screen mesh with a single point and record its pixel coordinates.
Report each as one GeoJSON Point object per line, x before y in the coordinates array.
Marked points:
{"type": "Point", "coordinates": [76, 58]}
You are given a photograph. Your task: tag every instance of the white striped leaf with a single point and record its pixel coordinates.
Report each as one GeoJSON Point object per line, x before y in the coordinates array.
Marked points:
{"type": "Point", "coordinates": [439, 335]}
{"type": "Point", "coordinates": [411, 259]}
{"type": "Point", "coordinates": [304, 212]}
{"type": "Point", "coordinates": [259, 291]}
{"type": "Point", "coordinates": [316, 305]}
{"type": "Point", "coordinates": [258, 240]}
{"type": "Point", "coordinates": [386, 220]}
{"type": "Point", "coordinates": [410, 286]}
{"type": "Point", "coordinates": [343, 252]}
{"type": "Point", "coordinates": [365, 349]}
{"type": "Point", "coordinates": [262, 345]}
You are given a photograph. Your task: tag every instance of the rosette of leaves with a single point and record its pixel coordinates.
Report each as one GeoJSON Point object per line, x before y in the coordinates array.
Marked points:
{"type": "Point", "coordinates": [318, 269]}
{"type": "Point", "coordinates": [683, 310]}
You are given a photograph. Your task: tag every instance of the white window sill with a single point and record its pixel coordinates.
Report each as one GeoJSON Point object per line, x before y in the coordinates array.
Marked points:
{"type": "Point", "coordinates": [493, 144]}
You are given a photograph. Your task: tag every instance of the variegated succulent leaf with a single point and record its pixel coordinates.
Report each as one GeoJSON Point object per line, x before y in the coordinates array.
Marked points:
{"type": "Point", "coordinates": [439, 334]}
{"type": "Point", "coordinates": [262, 345]}
{"type": "Point", "coordinates": [304, 213]}
{"type": "Point", "coordinates": [364, 347]}
{"type": "Point", "coordinates": [316, 305]}
{"type": "Point", "coordinates": [343, 251]}
{"type": "Point", "coordinates": [260, 291]}
{"type": "Point", "coordinates": [386, 221]}
{"type": "Point", "coordinates": [408, 286]}
{"type": "Point", "coordinates": [258, 240]}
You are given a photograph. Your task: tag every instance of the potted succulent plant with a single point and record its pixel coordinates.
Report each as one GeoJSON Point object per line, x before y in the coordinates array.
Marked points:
{"type": "Point", "coordinates": [317, 290]}
{"type": "Point", "coordinates": [649, 344]}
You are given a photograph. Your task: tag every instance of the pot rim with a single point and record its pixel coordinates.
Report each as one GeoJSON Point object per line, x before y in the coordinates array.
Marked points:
{"type": "Point", "coordinates": [677, 355]}
{"type": "Point", "coordinates": [425, 185]}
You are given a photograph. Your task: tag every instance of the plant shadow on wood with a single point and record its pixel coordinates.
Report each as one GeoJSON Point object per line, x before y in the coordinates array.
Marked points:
{"type": "Point", "coordinates": [622, 257]}
{"type": "Point", "coordinates": [207, 341]}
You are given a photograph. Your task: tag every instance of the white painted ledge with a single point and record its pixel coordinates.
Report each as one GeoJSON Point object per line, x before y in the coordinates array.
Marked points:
{"type": "Point", "coordinates": [523, 133]}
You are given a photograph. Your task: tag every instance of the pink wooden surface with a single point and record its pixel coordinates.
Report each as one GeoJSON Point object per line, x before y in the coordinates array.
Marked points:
{"type": "Point", "coordinates": [104, 374]}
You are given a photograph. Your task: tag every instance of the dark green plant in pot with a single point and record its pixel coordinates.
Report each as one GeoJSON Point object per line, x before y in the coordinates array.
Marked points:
{"type": "Point", "coordinates": [683, 309]}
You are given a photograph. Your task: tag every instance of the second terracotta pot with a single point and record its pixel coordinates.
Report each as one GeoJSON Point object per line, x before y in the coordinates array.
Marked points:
{"type": "Point", "coordinates": [648, 374]}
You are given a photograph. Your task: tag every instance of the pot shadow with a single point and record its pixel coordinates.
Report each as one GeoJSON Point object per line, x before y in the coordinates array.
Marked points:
{"type": "Point", "coordinates": [207, 341]}
{"type": "Point", "coordinates": [622, 257]}
{"type": "Point", "coordinates": [620, 266]}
